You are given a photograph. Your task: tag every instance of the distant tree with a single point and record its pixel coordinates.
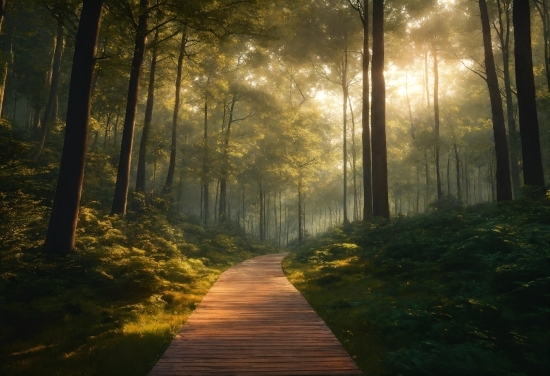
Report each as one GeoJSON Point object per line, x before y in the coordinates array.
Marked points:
{"type": "Point", "coordinates": [533, 174]}
{"type": "Point", "coordinates": [60, 237]}
{"type": "Point", "coordinates": [49, 113]}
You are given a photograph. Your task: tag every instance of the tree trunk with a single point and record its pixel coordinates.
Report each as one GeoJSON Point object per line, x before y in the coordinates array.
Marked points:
{"type": "Point", "coordinates": [436, 123]}
{"type": "Point", "coordinates": [140, 179]}
{"type": "Point", "coordinates": [504, 187]}
{"type": "Point", "coordinates": [225, 163]}
{"type": "Point", "coordinates": [528, 121]}
{"type": "Point", "coordinates": [60, 237]}
{"type": "Point", "coordinates": [116, 126]}
{"type": "Point", "coordinates": [6, 59]}
{"type": "Point", "coordinates": [458, 188]}
{"type": "Point", "coordinates": [300, 231]}
{"type": "Point", "coordinates": [54, 88]}
{"type": "Point", "coordinates": [107, 130]}
{"type": "Point", "coordinates": [448, 173]}
{"type": "Point", "coordinates": [262, 222]}
{"type": "Point", "coordinates": [205, 164]}
{"type": "Point", "coordinates": [123, 176]}
{"type": "Point", "coordinates": [354, 167]}
{"type": "Point", "coordinates": [379, 153]}
{"type": "Point", "coordinates": [544, 12]}
{"type": "Point", "coordinates": [344, 135]}
{"type": "Point", "coordinates": [514, 141]}
{"type": "Point", "coordinates": [365, 137]}
{"type": "Point", "coordinates": [172, 165]}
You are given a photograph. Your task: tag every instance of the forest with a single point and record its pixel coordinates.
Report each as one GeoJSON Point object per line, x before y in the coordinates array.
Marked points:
{"type": "Point", "coordinates": [400, 150]}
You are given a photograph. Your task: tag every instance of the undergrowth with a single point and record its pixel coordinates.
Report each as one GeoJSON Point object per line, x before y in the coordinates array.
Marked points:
{"type": "Point", "coordinates": [113, 306]}
{"type": "Point", "coordinates": [458, 291]}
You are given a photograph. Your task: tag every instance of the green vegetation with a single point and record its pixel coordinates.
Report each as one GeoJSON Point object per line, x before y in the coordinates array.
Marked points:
{"type": "Point", "coordinates": [460, 291]}
{"type": "Point", "coordinates": [112, 307]}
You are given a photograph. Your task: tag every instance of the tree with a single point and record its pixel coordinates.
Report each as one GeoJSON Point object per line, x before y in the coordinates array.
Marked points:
{"type": "Point", "coordinates": [503, 32]}
{"type": "Point", "coordinates": [544, 12]}
{"type": "Point", "coordinates": [504, 188]}
{"type": "Point", "coordinates": [367, 173]}
{"type": "Point", "coordinates": [4, 62]}
{"type": "Point", "coordinates": [378, 117]}
{"type": "Point", "coordinates": [120, 199]}
{"type": "Point", "coordinates": [60, 237]}
{"type": "Point", "coordinates": [533, 174]}
{"type": "Point", "coordinates": [49, 113]}
{"type": "Point", "coordinates": [177, 100]}
{"type": "Point", "coordinates": [140, 179]}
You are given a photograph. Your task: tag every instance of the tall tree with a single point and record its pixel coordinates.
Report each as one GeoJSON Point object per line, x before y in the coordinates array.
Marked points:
{"type": "Point", "coordinates": [345, 90]}
{"type": "Point", "coordinates": [175, 114]}
{"type": "Point", "coordinates": [362, 7]}
{"type": "Point", "coordinates": [504, 188]}
{"type": "Point", "coordinates": [380, 207]}
{"type": "Point", "coordinates": [140, 179]}
{"type": "Point", "coordinates": [120, 199]}
{"type": "Point", "coordinates": [503, 32]}
{"type": "Point", "coordinates": [60, 237]}
{"type": "Point", "coordinates": [533, 174]}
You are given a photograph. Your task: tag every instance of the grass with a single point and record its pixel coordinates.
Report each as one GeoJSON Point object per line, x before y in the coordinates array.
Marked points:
{"type": "Point", "coordinates": [113, 306]}
{"type": "Point", "coordinates": [462, 291]}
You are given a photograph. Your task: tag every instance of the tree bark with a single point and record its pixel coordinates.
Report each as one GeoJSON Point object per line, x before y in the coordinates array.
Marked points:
{"type": "Point", "coordinates": [120, 200]}
{"type": "Point", "coordinates": [504, 187]}
{"type": "Point", "coordinates": [172, 165]}
{"type": "Point", "coordinates": [60, 237]}
{"type": "Point", "coordinates": [528, 121]}
{"type": "Point", "coordinates": [379, 152]}
{"type": "Point", "coordinates": [140, 178]}
{"type": "Point", "coordinates": [49, 113]}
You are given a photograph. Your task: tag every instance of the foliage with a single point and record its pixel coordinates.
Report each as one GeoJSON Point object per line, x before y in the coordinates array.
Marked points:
{"type": "Point", "coordinates": [112, 307]}
{"type": "Point", "coordinates": [459, 291]}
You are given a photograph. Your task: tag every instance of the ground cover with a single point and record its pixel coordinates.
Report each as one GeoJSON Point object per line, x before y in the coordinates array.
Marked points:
{"type": "Point", "coordinates": [112, 307]}
{"type": "Point", "coordinates": [458, 291]}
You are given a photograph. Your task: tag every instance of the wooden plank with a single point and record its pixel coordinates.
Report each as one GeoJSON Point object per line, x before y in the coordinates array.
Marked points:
{"type": "Point", "coordinates": [254, 322]}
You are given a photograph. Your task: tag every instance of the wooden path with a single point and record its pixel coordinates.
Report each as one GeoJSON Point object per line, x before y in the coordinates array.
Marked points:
{"type": "Point", "coordinates": [254, 322]}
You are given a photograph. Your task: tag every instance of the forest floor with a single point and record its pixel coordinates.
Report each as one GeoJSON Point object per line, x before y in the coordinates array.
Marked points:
{"type": "Point", "coordinates": [459, 291]}
{"type": "Point", "coordinates": [113, 306]}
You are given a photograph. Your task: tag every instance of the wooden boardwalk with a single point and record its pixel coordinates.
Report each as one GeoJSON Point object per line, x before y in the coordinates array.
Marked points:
{"type": "Point", "coordinates": [254, 322]}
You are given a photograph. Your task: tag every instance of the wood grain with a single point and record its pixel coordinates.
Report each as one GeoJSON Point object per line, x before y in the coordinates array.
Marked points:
{"type": "Point", "coordinates": [254, 322]}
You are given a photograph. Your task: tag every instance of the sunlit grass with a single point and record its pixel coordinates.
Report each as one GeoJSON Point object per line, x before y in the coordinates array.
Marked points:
{"type": "Point", "coordinates": [113, 307]}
